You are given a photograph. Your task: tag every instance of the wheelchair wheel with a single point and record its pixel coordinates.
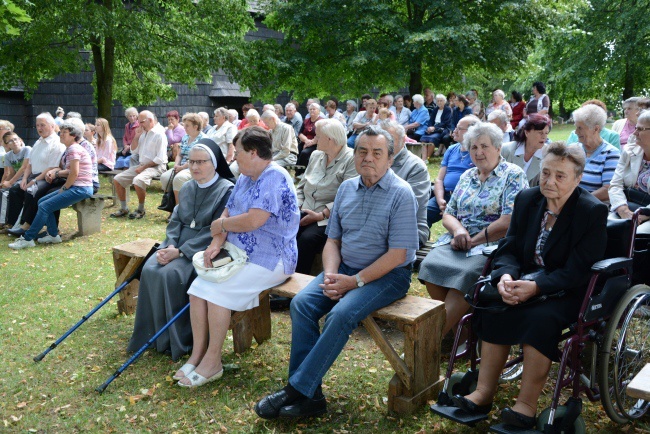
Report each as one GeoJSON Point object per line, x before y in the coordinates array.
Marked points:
{"type": "Point", "coordinates": [514, 372]}
{"type": "Point", "coordinates": [462, 383]}
{"type": "Point", "coordinates": [579, 426]}
{"type": "Point", "coordinates": [624, 352]}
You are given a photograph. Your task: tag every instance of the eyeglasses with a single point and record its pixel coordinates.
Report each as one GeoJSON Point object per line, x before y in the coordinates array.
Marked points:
{"type": "Point", "coordinates": [639, 129]}
{"type": "Point", "coordinates": [197, 162]}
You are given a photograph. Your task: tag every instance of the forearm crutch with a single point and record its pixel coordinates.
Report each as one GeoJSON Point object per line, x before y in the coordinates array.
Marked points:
{"type": "Point", "coordinates": [142, 349]}
{"type": "Point", "coordinates": [135, 275]}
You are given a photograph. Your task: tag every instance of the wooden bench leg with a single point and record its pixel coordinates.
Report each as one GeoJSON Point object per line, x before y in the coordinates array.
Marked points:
{"type": "Point", "coordinates": [89, 216]}
{"type": "Point", "coordinates": [262, 319]}
{"type": "Point", "coordinates": [241, 324]}
{"type": "Point", "coordinates": [421, 346]}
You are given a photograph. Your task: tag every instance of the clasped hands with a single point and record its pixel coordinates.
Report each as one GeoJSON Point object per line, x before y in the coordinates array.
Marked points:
{"type": "Point", "coordinates": [336, 285]}
{"type": "Point", "coordinates": [166, 255]}
{"type": "Point", "coordinates": [514, 292]}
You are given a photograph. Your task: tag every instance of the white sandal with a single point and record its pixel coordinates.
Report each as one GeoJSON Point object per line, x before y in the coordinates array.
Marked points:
{"type": "Point", "coordinates": [197, 379]}
{"type": "Point", "coordinates": [186, 369]}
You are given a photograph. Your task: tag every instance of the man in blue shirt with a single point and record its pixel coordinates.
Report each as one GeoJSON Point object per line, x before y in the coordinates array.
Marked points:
{"type": "Point", "coordinates": [372, 239]}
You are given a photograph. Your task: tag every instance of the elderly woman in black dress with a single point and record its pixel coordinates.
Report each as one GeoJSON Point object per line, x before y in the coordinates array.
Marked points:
{"type": "Point", "coordinates": [558, 229]}
{"type": "Point", "coordinates": [167, 275]}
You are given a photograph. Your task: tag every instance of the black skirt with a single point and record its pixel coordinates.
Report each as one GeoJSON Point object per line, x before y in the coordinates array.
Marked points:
{"type": "Point", "coordinates": [539, 324]}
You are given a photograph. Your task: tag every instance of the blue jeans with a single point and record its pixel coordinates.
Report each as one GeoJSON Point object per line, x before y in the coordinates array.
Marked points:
{"type": "Point", "coordinates": [53, 202]}
{"type": "Point", "coordinates": [351, 140]}
{"type": "Point", "coordinates": [313, 352]}
{"type": "Point", "coordinates": [433, 210]}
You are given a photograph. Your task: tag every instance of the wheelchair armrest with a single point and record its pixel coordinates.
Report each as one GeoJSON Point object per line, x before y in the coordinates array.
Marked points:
{"type": "Point", "coordinates": [612, 264]}
{"type": "Point", "coordinates": [489, 251]}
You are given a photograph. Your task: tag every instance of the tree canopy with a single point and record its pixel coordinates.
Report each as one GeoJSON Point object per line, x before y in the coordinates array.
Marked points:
{"type": "Point", "coordinates": [136, 47]}
{"type": "Point", "coordinates": [344, 47]}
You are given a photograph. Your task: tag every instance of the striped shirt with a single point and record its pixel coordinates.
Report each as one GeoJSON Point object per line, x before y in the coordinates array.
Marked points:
{"type": "Point", "coordinates": [600, 167]}
{"type": "Point", "coordinates": [369, 221]}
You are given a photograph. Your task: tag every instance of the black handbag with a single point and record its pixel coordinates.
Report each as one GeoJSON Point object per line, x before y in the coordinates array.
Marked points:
{"type": "Point", "coordinates": [636, 198]}
{"type": "Point", "coordinates": [490, 293]}
{"type": "Point", "coordinates": [168, 201]}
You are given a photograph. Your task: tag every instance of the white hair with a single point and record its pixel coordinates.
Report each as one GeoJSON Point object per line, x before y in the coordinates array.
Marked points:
{"type": "Point", "coordinates": [205, 116]}
{"type": "Point", "coordinates": [418, 98]}
{"type": "Point", "coordinates": [500, 93]}
{"type": "Point", "coordinates": [442, 97]}
{"type": "Point", "coordinates": [352, 103]}
{"type": "Point", "coordinates": [390, 98]}
{"type": "Point", "coordinates": [131, 110]}
{"type": "Point", "coordinates": [290, 105]}
{"type": "Point", "coordinates": [314, 104]}
{"type": "Point", "coordinates": [395, 126]}
{"type": "Point", "coordinates": [500, 115]}
{"type": "Point", "coordinates": [234, 113]}
{"type": "Point", "coordinates": [270, 114]}
{"type": "Point", "coordinates": [493, 132]}
{"type": "Point", "coordinates": [252, 114]}
{"type": "Point", "coordinates": [591, 115]}
{"type": "Point", "coordinates": [332, 129]}
{"type": "Point", "coordinates": [48, 118]}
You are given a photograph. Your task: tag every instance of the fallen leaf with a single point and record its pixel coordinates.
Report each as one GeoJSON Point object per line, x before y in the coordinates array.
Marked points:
{"type": "Point", "coordinates": [21, 405]}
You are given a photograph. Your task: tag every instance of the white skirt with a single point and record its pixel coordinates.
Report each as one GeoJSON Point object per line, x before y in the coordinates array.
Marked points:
{"type": "Point", "coordinates": [240, 292]}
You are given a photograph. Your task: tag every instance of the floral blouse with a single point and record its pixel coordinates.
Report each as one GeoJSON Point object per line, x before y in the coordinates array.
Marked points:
{"type": "Point", "coordinates": [476, 204]}
{"type": "Point", "coordinates": [186, 146]}
{"type": "Point", "coordinates": [275, 240]}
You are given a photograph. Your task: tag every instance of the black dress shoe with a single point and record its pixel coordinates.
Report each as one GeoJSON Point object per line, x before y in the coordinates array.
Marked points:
{"type": "Point", "coordinates": [469, 407]}
{"type": "Point", "coordinates": [269, 407]}
{"type": "Point", "coordinates": [17, 233]}
{"type": "Point", "coordinates": [305, 407]}
{"type": "Point", "coordinates": [514, 418]}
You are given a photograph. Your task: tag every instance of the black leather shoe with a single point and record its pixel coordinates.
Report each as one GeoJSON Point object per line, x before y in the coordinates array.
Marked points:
{"type": "Point", "coordinates": [16, 233]}
{"type": "Point", "coordinates": [514, 418]}
{"type": "Point", "coordinates": [269, 407]}
{"type": "Point", "coordinates": [469, 407]}
{"type": "Point", "coordinates": [305, 407]}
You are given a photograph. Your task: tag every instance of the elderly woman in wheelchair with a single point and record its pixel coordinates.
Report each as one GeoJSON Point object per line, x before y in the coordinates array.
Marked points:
{"type": "Point", "coordinates": [557, 231]}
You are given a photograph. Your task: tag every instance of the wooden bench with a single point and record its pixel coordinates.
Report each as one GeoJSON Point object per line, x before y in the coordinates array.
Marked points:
{"type": "Point", "coordinates": [415, 148]}
{"type": "Point", "coordinates": [89, 215]}
{"type": "Point", "coordinates": [111, 175]}
{"type": "Point", "coordinates": [639, 387]}
{"type": "Point", "coordinates": [417, 376]}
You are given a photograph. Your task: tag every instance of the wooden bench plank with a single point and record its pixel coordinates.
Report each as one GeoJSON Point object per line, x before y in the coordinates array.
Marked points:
{"type": "Point", "coordinates": [639, 387]}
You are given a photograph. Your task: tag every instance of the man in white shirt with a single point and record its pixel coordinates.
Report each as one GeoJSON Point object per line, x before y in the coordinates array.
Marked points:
{"type": "Point", "coordinates": [150, 144]}
{"type": "Point", "coordinates": [45, 155]}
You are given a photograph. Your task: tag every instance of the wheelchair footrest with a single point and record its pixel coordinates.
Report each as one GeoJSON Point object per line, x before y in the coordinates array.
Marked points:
{"type": "Point", "coordinates": [458, 415]}
{"type": "Point", "coordinates": [502, 428]}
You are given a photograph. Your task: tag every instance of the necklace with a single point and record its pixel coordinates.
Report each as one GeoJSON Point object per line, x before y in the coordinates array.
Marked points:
{"type": "Point", "coordinates": [195, 211]}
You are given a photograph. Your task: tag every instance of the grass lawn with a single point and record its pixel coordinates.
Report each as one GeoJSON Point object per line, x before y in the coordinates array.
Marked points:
{"type": "Point", "coordinates": [47, 289]}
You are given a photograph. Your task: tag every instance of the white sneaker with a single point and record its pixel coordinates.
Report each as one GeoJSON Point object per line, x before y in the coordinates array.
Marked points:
{"type": "Point", "coordinates": [49, 239]}
{"type": "Point", "coordinates": [21, 243]}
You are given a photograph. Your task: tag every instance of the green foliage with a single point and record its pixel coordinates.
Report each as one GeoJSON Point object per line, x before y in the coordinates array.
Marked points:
{"type": "Point", "coordinates": [344, 48]}
{"type": "Point", "coordinates": [594, 49]}
{"type": "Point", "coordinates": [11, 15]}
{"type": "Point", "coordinates": [137, 48]}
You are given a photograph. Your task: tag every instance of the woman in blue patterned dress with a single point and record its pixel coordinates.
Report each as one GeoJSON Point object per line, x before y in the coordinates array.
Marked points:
{"type": "Point", "coordinates": [478, 214]}
{"type": "Point", "coordinates": [261, 218]}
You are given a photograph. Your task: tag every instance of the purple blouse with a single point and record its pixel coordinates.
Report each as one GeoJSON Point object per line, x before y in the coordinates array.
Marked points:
{"type": "Point", "coordinates": [273, 192]}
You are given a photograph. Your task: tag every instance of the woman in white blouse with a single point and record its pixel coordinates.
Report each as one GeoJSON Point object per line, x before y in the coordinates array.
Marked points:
{"type": "Point", "coordinates": [402, 113]}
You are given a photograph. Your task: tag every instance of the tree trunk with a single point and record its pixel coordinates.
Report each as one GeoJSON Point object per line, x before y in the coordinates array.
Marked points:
{"type": "Point", "coordinates": [415, 78]}
{"type": "Point", "coordinates": [628, 84]}
{"type": "Point", "coordinates": [104, 62]}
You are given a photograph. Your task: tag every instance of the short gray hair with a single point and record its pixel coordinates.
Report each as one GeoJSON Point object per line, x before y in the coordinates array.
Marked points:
{"type": "Point", "coordinates": [221, 111]}
{"type": "Point", "coordinates": [78, 122]}
{"type": "Point", "coordinates": [644, 117]}
{"type": "Point", "coordinates": [233, 112]}
{"type": "Point", "coordinates": [442, 97]}
{"type": "Point", "coordinates": [376, 130]}
{"type": "Point", "coordinates": [390, 97]}
{"type": "Point", "coordinates": [418, 98]}
{"type": "Point", "coordinates": [205, 116]}
{"type": "Point", "coordinates": [352, 103]}
{"type": "Point", "coordinates": [270, 114]}
{"type": "Point", "coordinates": [131, 110]}
{"type": "Point", "coordinates": [314, 104]}
{"type": "Point", "coordinates": [48, 118]}
{"type": "Point", "coordinates": [500, 93]}
{"type": "Point", "coordinates": [493, 132]}
{"type": "Point", "coordinates": [290, 105]}
{"type": "Point", "coordinates": [471, 94]}
{"type": "Point", "coordinates": [75, 130]}
{"type": "Point", "coordinates": [498, 114]}
{"type": "Point", "coordinates": [387, 124]}
{"type": "Point", "coordinates": [591, 115]}
{"type": "Point", "coordinates": [632, 101]}
{"type": "Point", "coordinates": [333, 129]}
{"type": "Point", "coordinates": [74, 115]}
{"type": "Point", "coordinates": [574, 153]}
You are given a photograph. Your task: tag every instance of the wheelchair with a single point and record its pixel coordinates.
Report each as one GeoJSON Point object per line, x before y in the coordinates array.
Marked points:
{"type": "Point", "coordinates": [600, 352]}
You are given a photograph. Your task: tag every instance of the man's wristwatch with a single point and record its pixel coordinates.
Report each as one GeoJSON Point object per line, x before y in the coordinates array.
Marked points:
{"type": "Point", "coordinates": [360, 282]}
{"type": "Point", "coordinates": [180, 254]}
